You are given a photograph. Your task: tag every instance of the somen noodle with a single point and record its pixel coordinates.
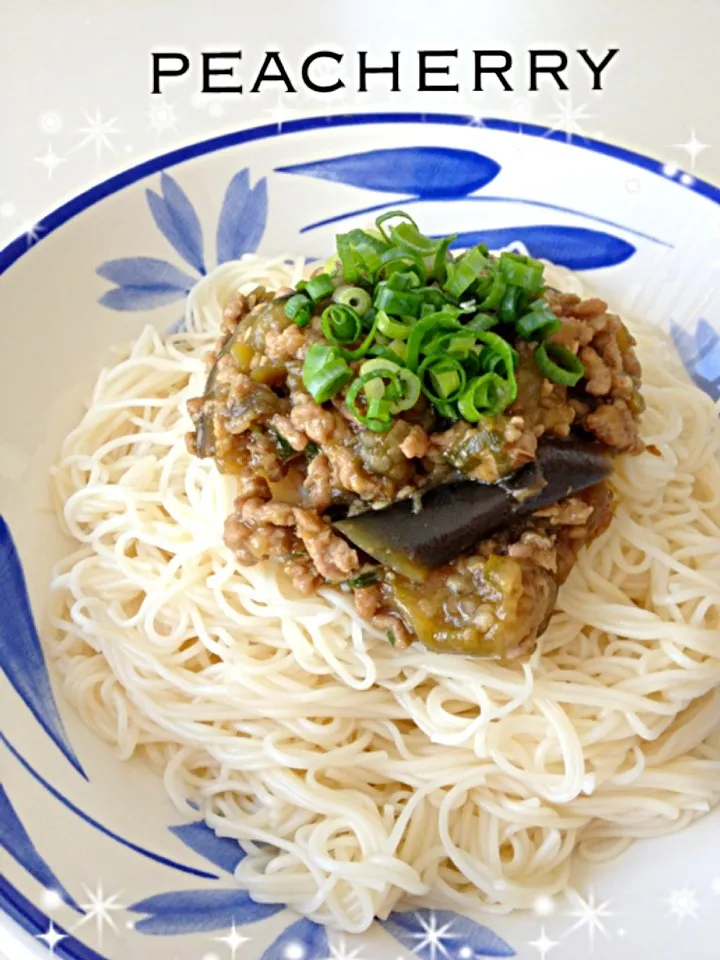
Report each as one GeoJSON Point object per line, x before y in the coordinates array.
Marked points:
{"type": "Point", "coordinates": [354, 774]}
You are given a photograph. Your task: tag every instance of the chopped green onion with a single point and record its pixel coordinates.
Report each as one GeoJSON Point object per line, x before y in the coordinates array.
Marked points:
{"type": "Point", "coordinates": [340, 323]}
{"type": "Point", "coordinates": [400, 303]}
{"type": "Point", "coordinates": [393, 215]}
{"type": "Point", "coordinates": [539, 324]}
{"type": "Point", "coordinates": [364, 579]}
{"type": "Point", "coordinates": [394, 329]}
{"type": "Point", "coordinates": [482, 321]}
{"type": "Point", "coordinates": [348, 262]}
{"type": "Point", "coordinates": [355, 297]}
{"type": "Point", "coordinates": [434, 323]}
{"type": "Point", "coordinates": [408, 382]}
{"type": "Point", "coordinates": [456, 345]}
{"type": "Point", "coordinates": [462, 273]}
{"type": "Point", "coordinates": [507, 311]}
{"type": "Point", "coordinates": [386, 353]}
{"type": "Point", "coordinates": [521, 271]}
{"type": "Point", "coordinates": [396, 260]}
{"type": "Point", "coordinates": [324, 372]}
{"type": "Point", "coordinates": [378, 408]}
{"type": "Point", "coordinates": [490, 361]}
{"type": "Point", "coordinates": [494, 297]}
{"type": "Point", "coordinates": [558, 364]}
{"type": "Point", "coordinates": [407, 236]}
{"type": "Point", "coordinates": [284, 448]}
{"type": "Point", "coordinates": [319, 287]}
{"type": "Point", "coordinates": [440, 266]}
{"type": "Point", "coordinates": [446, 375]}
{"type": "Point", "coordinates": [359, 352]}
{"type": "Point", "coordinates": [485, 396]}
{"type": "Point", "coordinates": [299, 309]}
{"type": "Point", "coordinates": [378, 424]}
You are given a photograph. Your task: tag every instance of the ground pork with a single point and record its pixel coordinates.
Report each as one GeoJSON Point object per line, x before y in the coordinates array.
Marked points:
{"type": "Point", "coordinates": [332, 556]}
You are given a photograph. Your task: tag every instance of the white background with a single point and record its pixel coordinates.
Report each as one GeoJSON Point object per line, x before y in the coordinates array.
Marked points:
{"type": "Point", "coordinates": [64, 61]}
{"type": "Point", "coordinates": [67, 63]}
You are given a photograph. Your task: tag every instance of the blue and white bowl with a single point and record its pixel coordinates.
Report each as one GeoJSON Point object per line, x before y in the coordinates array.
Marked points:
{"type": "Point", "coordinates": [96, 863]}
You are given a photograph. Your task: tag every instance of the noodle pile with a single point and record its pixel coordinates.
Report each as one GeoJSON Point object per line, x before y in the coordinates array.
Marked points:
{"type": "Point", "coordinates": [354, 774]}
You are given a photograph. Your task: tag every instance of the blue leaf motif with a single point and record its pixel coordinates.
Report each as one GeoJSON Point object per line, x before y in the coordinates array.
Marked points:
{"type": "Point", "coordinates": [16, 841]}
{"type": "Point", "coordinates": [305, 934]}
{"type": "Point", "coordinates": [575, 247]}
{"type": "Point", "coordinates": [422, 930]}
{"type": "Point", "coordinates": [700, 352]}
{"type": "Point", "coordinates": [177, 220]}
{"type": "Point", "coordinates": [242, 218]}
{"type": "Point", "coordinates": [143, 283]}
{"type": "Point", "coordinates": [199, 911]}
{"type": "Point", "coordinates": [224, 852]}
{"type": "Point", "coordinates": [429, 172]}
{"type": "Point", "coordinates": [145, 272]}
{"type": "Point", "coordinates": [21, 655]}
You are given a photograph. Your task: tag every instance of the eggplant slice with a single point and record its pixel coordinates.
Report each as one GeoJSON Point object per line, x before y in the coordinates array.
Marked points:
{"type": "Point", "coordinates": [410, 536]}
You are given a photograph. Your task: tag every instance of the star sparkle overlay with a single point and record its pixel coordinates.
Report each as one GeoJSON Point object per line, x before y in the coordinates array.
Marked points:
{"type": "Point", "coordinates": [543, 944]}
{"type": "Point", "coordinates": [340, 952]}
{"type": "Point", "coordinates": [693, 147]}
{"type": "Point", "coordinates": [32, 232]}
{"type": "Point", "coordinates": [234, 940]}
{"type": "Point", "coordinates": [591, 915]}
{"type": "Point", "coordinates": [98, 133]}
{"type": "Point", "coordinates": [162, 117]}
{"type": "Point", "coordinates": [433, 936]}
{"type": "Point", "coordinates": [683, 903]}
{"type": "Point", "coordinates": [52, 938]}
{"type": "Point", "coordinates": [569, 119]}
{"type": "Point", "coordinates": [50, 160]}
{"type": "Point", "coordinates": [99, 908]}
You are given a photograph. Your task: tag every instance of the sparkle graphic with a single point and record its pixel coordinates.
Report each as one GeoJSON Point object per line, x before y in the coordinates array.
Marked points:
{"type": "Point", "coordinates": [715, 886]}
{"type": "Point", "coordinates": [7, 209]}
{"type": "Point", "coordinates": [569, 119]}
{"type": "Point", "coordinates": [294, 951]}
{"type": "Point", "coordinates": [340, 952]}
{"type": "Point", "coordinates": [51, 900]}
{"type": "Point", "coordinates": [693, 147]}
{"type": "Point", "coordinates": [100, 910]}
{"type": "Point", "coordinates": [50, 122]}
{"type": "Point", "coordinates": [50, 160]}
{"type": "Point", "coordinates": [475, 120]}
{"type": "Point", "coordinates": [32, 231]}
{"type": "Point", "coordinates": [522, 108]}
{"type": "Point", "coordinates": [433, 936]}
{"type": "Point", "coordinates": [683, 903]}
{"type": "Point", "coordinates": [670, 169]}
{"type": "Point", "coordinates": [543, 944]}
{"type": "Point", "coordinates": [234, 940]}
{"type": "Point", "coordinates": [544, 906]}
{"type": "Point", "coordinates": [590, 915]}
{"type": "Point", "coordinates": [280, 113]}
{"type": "Point", "coordinates": [98, 132]}
{"type": "Point", "coordinates": [162, 117]}
{"type": "Point", "coordinates": [52, 938]}
{"type": "Point", "coordinates": [686, 180]}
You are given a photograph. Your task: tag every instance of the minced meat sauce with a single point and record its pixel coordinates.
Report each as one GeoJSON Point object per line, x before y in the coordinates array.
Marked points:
{"type": "Point", "coordinates": [301, 464]}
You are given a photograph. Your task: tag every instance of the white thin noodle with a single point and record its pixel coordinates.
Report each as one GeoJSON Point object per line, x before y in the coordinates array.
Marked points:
{"type": "Point", "coordinates": [354, 774]}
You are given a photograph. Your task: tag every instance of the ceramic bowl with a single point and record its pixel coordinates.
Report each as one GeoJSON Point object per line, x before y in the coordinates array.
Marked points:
{"type": "Point", "coordinates": [96, 863]}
